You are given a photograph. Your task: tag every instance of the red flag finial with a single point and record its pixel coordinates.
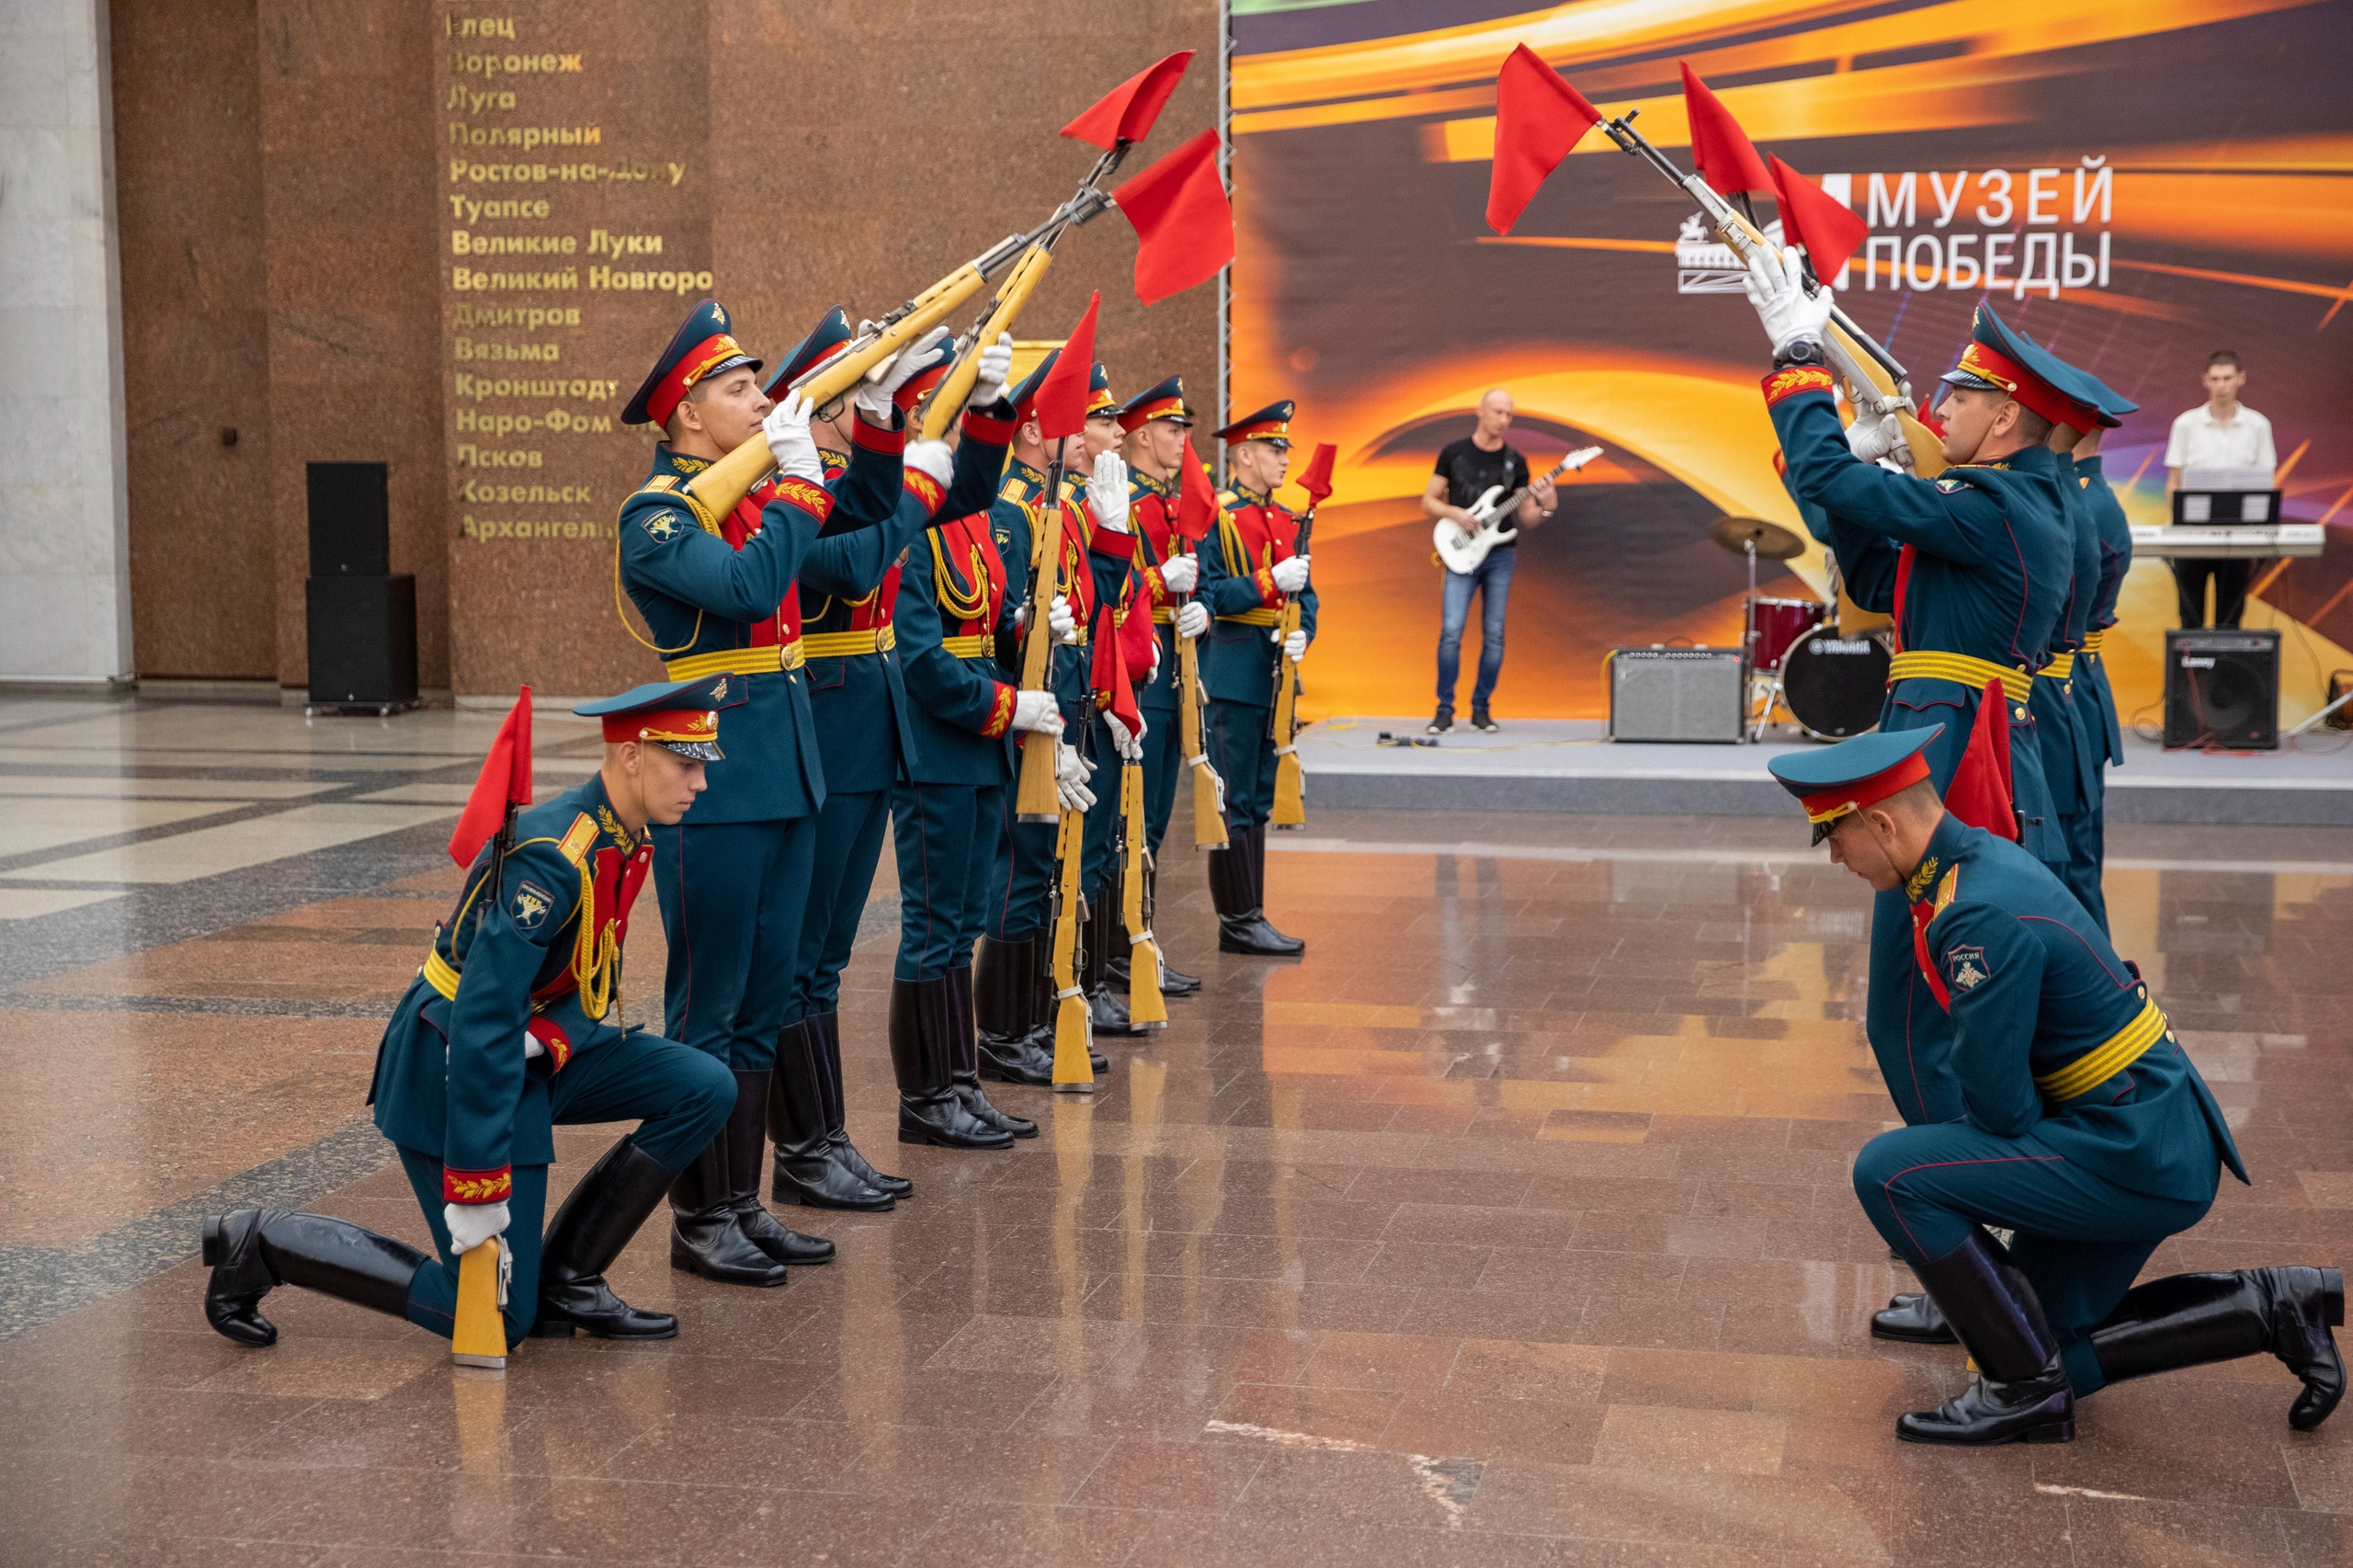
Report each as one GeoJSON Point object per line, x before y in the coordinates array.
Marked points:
{"type": "Point", "coordinates": [1196, 497]}
{"type": "Point", "coordinates": [1183, 220]}
{"type": "Point", "coordinates": [1126, 113]}
{"type": "Point", "coordinates": [1061, 400]}
{"type": "Point", "coordinates": [1539, 119]}
{"type": "Point", "coordinates": [1725, 156]}
{"type": "Point", "coordinates": [1317, 478]}
{"type": "Point", "coordinates": [505, 780]}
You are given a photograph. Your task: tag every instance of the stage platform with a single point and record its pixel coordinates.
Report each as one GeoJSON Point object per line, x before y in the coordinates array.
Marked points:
{"type": "Point", "coordinates": [1571, 765]}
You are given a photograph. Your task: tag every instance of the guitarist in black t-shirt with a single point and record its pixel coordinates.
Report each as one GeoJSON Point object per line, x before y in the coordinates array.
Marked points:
{"type": "Point", "coordinates": [1467, 470]}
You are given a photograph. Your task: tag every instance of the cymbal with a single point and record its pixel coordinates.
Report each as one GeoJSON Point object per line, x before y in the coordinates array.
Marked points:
{"type": "Point", "coordinates": [1773, 541]}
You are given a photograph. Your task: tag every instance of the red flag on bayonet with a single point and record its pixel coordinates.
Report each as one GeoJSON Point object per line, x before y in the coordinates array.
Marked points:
{"type": "Point", "coordinates": [505, 780]}
{"type": "Point", "coordinates": [1183, 223]}
{"type": "Point", "coordinates": [1980, 791]}
{"type": "Point", "coordinates": [1113, 693]}
{"type": "Point", "coordinates": [1126, 113]}
{"type": "Point", "coordinates": [1317, 478]}
{"type": "Point", "coordinates": [1726, 157]}
{"type": "Point", "coordinates": [1061, 400]}
{"type": "Point", "coordinates": [1810, 217]}
{"type": "Point", "coordinates": [1539, 119]}
{"type": "Point", "coordinates": [1196, 497]}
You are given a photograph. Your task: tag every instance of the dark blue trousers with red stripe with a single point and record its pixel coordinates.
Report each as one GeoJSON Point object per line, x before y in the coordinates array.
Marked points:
{"type": "Point", "coordinates": [2081, 1238]}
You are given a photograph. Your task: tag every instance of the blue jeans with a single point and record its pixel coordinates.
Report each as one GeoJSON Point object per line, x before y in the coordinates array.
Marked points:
{"type": "Point", "coordinates": [1492, 583]}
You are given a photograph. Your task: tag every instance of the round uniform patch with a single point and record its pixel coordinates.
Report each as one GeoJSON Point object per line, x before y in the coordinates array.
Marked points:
{"type": "Point", "coordinates": [1966, 969]}
{"type": "Point", "coordinates": [532, 902]}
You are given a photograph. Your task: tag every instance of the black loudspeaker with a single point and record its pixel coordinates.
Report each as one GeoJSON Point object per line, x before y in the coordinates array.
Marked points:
{"type": "Point", "coordinates": [1677, 694]}
{"type": "Point", "coordinates": [363, 642]}
{"type": "Point", "coordinates": [351, 533]}
{"type": "Point", "coordinates": [2222, 689]}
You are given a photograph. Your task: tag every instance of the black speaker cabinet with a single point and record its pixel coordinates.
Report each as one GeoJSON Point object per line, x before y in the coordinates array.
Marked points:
{"type": "Point", "coordinates": [1677, 694]}
{"type": "Point", "coordinates": [363, 642]}
{"type": "Point", "coordinates": [350, 521]}
{"type": "Point", "coordinates": [2222, 689]}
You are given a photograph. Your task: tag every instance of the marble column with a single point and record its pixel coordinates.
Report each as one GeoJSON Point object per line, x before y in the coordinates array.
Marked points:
{"type": "Point", "coordinates": [64, 552]}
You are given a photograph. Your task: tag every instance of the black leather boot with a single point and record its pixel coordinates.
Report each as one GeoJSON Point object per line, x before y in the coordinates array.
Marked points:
{"type": "Point", "coordinates": [603, 1210]}
{"type": "Point", "coordinates": [1174, 981]}
{"type": "Point", "coordinates": [747, 1140]}
{"type": "Point", "coordinates": [2022, 1393]}
{"type": "Point", "coordinates": [1107, 1010]}
{"type": "Point", "coordinates": [930, 1110]}
{"type": "Point", "coordinates": [964, 1060]}
{"type": "Point", "coordinates": [1912, 1317]}
{"type": "Point", "coordinates": [2187, 1320]}
{"type": "Point", "coordinates": [1005, 995]}
{"type": "Point", "coordinates": [808, 1169]}
{"type": "Point", "coordinates": [1255, 834]}
{"type": "Point", "coordinates": [827, 1041]}
{"type": "Point", "coordinates": [706, 1237]}
{"type": "Point", "coordinates": [1241, 924]}
{"type": "Point", "coordinates": [252, 1251]}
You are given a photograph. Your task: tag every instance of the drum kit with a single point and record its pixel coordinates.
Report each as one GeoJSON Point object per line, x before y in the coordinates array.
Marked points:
{"type": "Point", "coordinates": [1823, 664]}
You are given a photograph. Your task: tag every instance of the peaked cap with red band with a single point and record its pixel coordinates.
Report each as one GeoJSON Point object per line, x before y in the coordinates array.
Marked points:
{"type": "Point", "coordinates": [1998, 359]}
{"type": "Point", "coordinates": [1837, 780]}
{"type": "Point", "coordinates": [701, 348]}
{"type": "Point", "coordinates": [1165, 401]}
{"type": "Point", "coordinates": [682, 715]}
{"type": "Point", "coordinates": [828, 338]}
{"type": "Point", "coordinates": [1270, 424]}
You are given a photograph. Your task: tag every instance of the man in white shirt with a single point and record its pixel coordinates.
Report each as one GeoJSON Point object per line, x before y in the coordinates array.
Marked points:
{"type": "Point", "coordinates": [2220, 433]}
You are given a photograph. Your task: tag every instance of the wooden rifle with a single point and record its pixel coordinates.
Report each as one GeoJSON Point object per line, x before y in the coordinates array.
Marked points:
{"type": "Point", "coordinates": [478, 1333]}
{"type": "Point", "coordinates": [1074, 1068]}
{"type": "Point", "coordinates": [1208, 790]}
{"type": "Point", "coordinates": [1020, 283]}
{"type": "Point", "coordinates": [1876, 384]}
{"type": "Point", "coordinates": [1290, 783]}
{"type": "Point", "coordinates": [712, 493]}
{"type": "Point", "coordinates": [1146, 1007]}
{"type": "Point", "coordinates": [1036, 799]}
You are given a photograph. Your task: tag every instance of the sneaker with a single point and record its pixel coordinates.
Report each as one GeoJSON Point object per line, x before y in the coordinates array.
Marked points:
{"type": "Point", "coordinates": [1481, 721]}
{"type": "Point", "coordinates": [1443, 722]}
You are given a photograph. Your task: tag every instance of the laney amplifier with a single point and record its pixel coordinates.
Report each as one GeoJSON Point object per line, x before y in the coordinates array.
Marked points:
{"type": "Point", "coordinates": [1676, 694]}
{"type": "Point", "coordinates": [2222, 689]}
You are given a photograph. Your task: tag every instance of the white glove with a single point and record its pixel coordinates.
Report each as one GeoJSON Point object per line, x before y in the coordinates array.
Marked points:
{"type": "Point", "coordinates": [1152, 670]}
{"type": "Point", "coordinates": [1129, 747]}
{"type": "Point", "coordinates": [1181, 573]}
{"type": "Point", "coordinates": [1070, 778]}
{"type": "Point", "coordinates": [1290, 574]}
{"type": "Point", "coordinates": [1193, 619]}
{"type": "Point", "coordinates": [795, 450]}
{"type": "Point", "coordinates": [933, 458]}
{"type": "Point", "coordinates": [1295, 646]}
{"type": "Point", "coordinates": [471, 1224]}
{"type": "Point", "coordinates": [1106, 492]}
{"type": "Point", "coordinates": [996, 369]}
{"type": "Point", "coordinates": [875, 394]}
{"type": "Point", "coordinates": [1037, 711]}
{"type": "Point", "coordinates": [1776, 285]}
{"type": "Point", "coordinates": [1061, 622]}
{"type": "Point", "coordinates": [1870, 439]}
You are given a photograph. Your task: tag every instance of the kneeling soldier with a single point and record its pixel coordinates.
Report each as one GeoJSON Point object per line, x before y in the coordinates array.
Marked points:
{"type": "Point", "coordinates": [504, 1035]}
{"type": "Point", "coordinates": [2085, 1130]}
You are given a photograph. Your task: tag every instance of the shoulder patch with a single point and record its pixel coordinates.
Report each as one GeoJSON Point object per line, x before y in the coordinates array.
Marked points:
{"type": "Point", "coordinates": [578, 838]}
{"type": "Point", "coordinates": [1965, 967]}
{"type": "Point", "coordinates": [1951, 485]}
{"type": "Point", "coordinates": [532, 902]}
{"type": "Point", "coordinates": [1947, 888]}
{"type": "Point", "coordinates": [661, 482]}
{"type": "Point", "coordinates": [663, 526]}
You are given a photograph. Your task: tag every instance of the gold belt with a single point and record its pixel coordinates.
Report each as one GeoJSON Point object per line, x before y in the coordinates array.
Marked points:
{"type": "Point", "coordinates": [738, 662]}
{"type": "Point", "coordinates": [2106, 1060]}
{"type": "Point", "coordinates": [2092, 640]}
{"type": "Point", "coordinates": [979, 645]}
{"type": "Point", "coordinates": [2061, 668]}
{"type": "Point", "coordinates": [1256, 617]}
{"type": "Point", "coordinates": [1162, 616]}
{"type": "Point", "coordinates": [846, 644]}
{"type": "Point", "coordinates": [439, 976]}
{"type": "Point", "coordinates": [1923, 663]}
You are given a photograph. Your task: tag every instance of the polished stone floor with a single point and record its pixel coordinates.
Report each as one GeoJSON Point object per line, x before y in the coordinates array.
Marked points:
{"type": "Point", "coordinates": [1511, 1226]}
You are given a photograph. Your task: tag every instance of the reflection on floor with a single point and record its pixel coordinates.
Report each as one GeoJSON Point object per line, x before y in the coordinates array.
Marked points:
{"type": "Point", "coordinates": [1512, 1225]}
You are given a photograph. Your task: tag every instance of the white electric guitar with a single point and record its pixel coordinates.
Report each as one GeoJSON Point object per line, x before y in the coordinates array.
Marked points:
{"type": "Point", "coordinates": [1463, 548]}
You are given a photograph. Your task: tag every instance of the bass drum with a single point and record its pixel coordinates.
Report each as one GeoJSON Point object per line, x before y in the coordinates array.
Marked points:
{"type": "Point", "coordinates": [1834, 684]}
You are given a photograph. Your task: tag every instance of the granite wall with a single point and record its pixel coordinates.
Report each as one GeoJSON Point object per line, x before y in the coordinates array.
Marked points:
{"type": "Point", "coordinates": [454, 241]}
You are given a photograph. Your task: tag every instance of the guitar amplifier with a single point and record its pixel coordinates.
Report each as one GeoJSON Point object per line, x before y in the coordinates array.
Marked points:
{"type": "Point", "coordinates": [2222, 689]}
{"type": "Point", "coordinates": [1677, 694]}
